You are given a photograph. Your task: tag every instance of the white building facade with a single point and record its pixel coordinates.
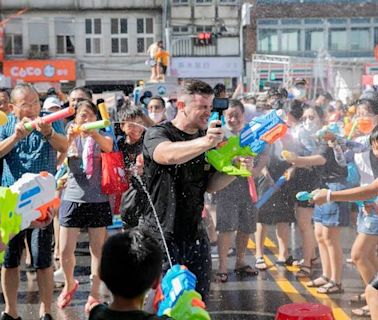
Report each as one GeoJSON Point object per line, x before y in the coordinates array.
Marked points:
{"type": "Point", "coordinates": [106, 40]}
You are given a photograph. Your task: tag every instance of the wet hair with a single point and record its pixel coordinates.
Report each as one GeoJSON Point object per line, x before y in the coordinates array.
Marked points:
{"type": "Point", "coordinates": [233, 103]}
{"type": "Point", "coordinates": [371, 105]}
{"type": "Point", "coordinates": [131, 261]}
{"type": "Point", "coordinates": [295, 108]}
{"type": "Point", "coordinates": [6, 91]}
{"type": "Point", "coordinates": [22, 87]}
{"type": "Point", "coordinates": [374, 136]}
{"type": "Point", "coordinates": [218, 89]}
{"type": "Point", "coordinates": [157, 98]}
{"type": "Point", "coordinates": [130, 113]}
{"type": "Point", "coordinates": [319, 111]}
{"type": "Point", "coordinates": [89, 104]}
{"type": "Point", "coordinates": [192, 87]}
{"type": "Point", "coordinates": [86, 91]}
{"type": "Point", "coordinates": [325, 94]}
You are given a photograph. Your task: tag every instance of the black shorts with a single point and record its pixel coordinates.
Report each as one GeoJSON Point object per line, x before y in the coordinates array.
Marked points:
{"type": "Point", "coordinates": [304, 180]}
{"type": "Point", "coordinates": [85, 215]}
{"type": "Point", "coordinates": [39, 240]}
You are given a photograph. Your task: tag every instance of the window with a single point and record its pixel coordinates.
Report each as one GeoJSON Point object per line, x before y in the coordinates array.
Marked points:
{"type": "Point", "coordinates": [145, 34]}
{"type": "Point", "coordinates": [65, 44]}
{"type": "Point", "coordinates": [313, 21]}
{"type": "Point", "coordinates": [228, 1]}
{"type": "Point", "coordinates": [314, 39]}
{"type": "Point", "coordinates": [268, 40]}
{"type": "Point", "coordinates": [180, 1]}
{"type": "Point", "coordinates": [182, 29]}
{"type": "Point", "coordinates": [375, 36]}
{"type": "Point", "coordinates": [93, 36]}
{"type": "Point", "coordinates": [38, 39]}
{"type": "Point", "coordinates": [119, 36]}
{"type": "Point", "coordinates": [267, 21]}
{"type": "Point", "coordinates": [290, 40]}
{"type": "Point", "coordinates": [291, 21]}
{"type": "Point", "coordinates": [204, 1]}
{"type": "Point", "coordinates": [13, 44]}
{"type": "Point", "coordinates": [337, 39]}
{"type": "Point", "coordinates": [204, 29]}
{"type": "Point", "coordinates": [65, 39]}
{"type": "Point", "coordinates": [360, 39]}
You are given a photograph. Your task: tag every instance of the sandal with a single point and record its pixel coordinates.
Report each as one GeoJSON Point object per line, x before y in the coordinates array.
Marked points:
{"type": "Point", "coordinates": [330, 288]}
{"type": "Point", "coordinates": [304, 272]}
{"type": "Point", "coordinates": [359, 298]}
{"type": "Point", "coordinates": [288, 262]}
{"type": "Point", "coordinates": [260, 264]}
{"type": "Point", "coordinates": [221, 277]}
{"type": "Point", "coordinates": [246, 271]}
{"type": "Point", "coordinates": [91, 303]}
{"type": "Point", "coordinates": [361, 312]}
{"type": "Point", "coordinates": [318, 282]}
{"type": "Point", "coordinates": [65, 297]}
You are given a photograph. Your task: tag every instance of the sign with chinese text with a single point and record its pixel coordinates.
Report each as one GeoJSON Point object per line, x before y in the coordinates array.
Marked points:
{"type": "Point", "coordinates": [206, 67]}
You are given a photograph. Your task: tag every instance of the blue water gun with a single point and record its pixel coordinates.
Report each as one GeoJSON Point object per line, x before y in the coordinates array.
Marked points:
{"type": "Point", "coordinates": [273, 189]}
{"type": "Point", "coordinates": [178, 296]}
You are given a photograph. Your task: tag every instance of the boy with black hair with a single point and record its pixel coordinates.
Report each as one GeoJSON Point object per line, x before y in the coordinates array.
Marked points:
{"type": "Point", "coordinates": [131, 264]}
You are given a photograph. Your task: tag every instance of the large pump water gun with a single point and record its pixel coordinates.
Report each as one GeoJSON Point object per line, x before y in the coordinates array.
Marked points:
{"type": "Point", "coordinates": [252, 140]}
{"type": "Point", "coordinates": [25, 201]}
{"type": "Point", "coordinates": [50, 118]}
{"type": "Point", "coordinates": [177, 297]}
{"type": "Point", "coordinates": [306, 196]}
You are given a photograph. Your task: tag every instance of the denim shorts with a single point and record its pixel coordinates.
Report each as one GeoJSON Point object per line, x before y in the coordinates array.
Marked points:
{"type": "Point", "coordinates": [367, 223]}
{"type": "Point", "coordinates": [40, 241]}
{"type": "Point", "coordinates": [333, 214]}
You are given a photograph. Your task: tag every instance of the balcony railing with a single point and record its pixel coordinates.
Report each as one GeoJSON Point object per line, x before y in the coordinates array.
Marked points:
{"type": "Point", "coordinates": [186, 47]}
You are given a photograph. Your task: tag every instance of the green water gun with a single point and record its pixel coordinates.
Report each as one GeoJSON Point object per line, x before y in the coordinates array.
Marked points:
{"type": "Point", "coordinates": [189, 307]}
{"type": "Point", "coordinates": [222, 159]}
{"type": "Point", "coordinates": [10, 221]}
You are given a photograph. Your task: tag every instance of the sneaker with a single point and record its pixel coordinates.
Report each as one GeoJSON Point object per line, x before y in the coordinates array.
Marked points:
{"type": "Point", "coordinates": [59, 276]}
{"type": "Point", "coordinates": [46, 316]}
{"type": "Point", "coordinates": [6, 316]}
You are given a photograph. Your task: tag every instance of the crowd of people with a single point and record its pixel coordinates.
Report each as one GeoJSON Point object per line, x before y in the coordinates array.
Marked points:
{"type": "Point", "coordinates": [330, 148]}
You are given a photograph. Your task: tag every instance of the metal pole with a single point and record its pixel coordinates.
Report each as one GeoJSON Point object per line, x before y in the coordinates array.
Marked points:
{"type": "Point", "coordinates": [241, 45]}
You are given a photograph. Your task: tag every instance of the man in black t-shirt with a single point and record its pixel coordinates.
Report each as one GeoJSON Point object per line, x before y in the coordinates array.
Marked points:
{"type": "Point", "coordinates": [177, 177]}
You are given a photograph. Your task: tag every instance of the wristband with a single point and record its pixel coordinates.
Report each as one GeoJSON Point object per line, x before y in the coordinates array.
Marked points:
{"type": "Point", "coordinates": [329, 196]}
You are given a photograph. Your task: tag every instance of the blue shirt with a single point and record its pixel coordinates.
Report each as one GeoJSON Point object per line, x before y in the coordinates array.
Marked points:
{"type": "Point", "coordinates": [32, 154]}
